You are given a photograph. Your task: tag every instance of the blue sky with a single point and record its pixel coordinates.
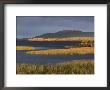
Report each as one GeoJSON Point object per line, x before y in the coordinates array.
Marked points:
{"type": "Point", "coordinates": [30, 26]}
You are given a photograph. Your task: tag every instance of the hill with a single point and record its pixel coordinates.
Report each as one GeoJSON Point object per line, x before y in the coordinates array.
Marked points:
{"type": "Point", "coordinates": [66, 33]}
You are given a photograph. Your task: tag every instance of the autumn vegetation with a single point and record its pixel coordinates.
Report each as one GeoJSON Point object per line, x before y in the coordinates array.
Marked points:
{"type": "Point", "coordinates": [70, 51]}
{"type": "Point", "coordinates": [24, 48]}
{"type": "Point", "coordinates": [63, 39]}
{"type": "Point", "coordinates": [71, 67]}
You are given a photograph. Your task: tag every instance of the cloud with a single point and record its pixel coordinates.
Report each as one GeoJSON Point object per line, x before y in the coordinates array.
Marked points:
{"type": "Point", "coordinates": [29, 26]}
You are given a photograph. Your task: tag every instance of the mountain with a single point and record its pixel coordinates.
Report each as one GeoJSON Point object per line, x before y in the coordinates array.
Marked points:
{"type": "Point", "coordinates": [66, 33]}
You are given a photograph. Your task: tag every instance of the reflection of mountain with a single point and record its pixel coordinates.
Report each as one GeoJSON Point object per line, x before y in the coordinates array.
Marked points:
{"type": "Point", "coordinates": [67, 33]}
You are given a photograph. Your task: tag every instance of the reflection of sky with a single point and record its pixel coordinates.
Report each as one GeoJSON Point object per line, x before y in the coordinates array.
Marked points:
{"type": "Point", "coordinates": [30, 26]}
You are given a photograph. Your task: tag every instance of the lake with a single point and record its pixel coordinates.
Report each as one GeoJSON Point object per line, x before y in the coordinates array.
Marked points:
{"type": "Point", "coordinates": [22, 57]}
{"type": "Point", "coordinates": [43, 59]}
{"type": "Point", "coordinates": [58, 44]}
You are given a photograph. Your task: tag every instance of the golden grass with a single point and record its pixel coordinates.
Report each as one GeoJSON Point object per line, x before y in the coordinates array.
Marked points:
{"type": "Point", "coordinates": [63, 39]}
{"type": "Point", "coordinates": [71, 67]}
{"type": "Point", "coordinates": [24, 48]}
{"type": "Point", "coordinates": [70, 51]}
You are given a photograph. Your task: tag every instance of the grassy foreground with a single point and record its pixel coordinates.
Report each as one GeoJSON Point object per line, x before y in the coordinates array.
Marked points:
{"type": "Point", "coordinates": [70, 51]}
{"type": "Point", "coordinates": [71, 67]}
{"type": "Point", "coordinates": [24, 48]}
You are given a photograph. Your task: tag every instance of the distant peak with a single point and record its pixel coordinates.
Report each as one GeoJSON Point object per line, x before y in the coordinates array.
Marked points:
{"type": "Point", "coordinates": [64, 31]}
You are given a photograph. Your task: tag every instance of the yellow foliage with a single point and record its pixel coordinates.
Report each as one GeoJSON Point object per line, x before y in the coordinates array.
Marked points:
{"type": "Point", "coordinates": [71, 67]}
{"type": "Point", "coordinates": [24, 48]}
{"type": "Point", "coordinates": [70, 51]}
{"type": "Point", "coordinates": [63, 39]}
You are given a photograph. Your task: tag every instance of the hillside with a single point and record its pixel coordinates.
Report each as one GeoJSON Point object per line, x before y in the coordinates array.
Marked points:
{"type": "Point", "coordinates": [66, 33]}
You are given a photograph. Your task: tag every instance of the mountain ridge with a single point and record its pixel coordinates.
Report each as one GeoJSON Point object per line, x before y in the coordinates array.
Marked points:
{"type": "Point", "coordinates": [66, 33]}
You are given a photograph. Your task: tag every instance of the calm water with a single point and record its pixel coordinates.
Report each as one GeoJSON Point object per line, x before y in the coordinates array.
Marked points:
{"type": "Point", "coordinates": [22, 57]}
{"type": "Point", "coordinates": [43, 59]}
{"type": "Point", "coordinates": [57, 44]}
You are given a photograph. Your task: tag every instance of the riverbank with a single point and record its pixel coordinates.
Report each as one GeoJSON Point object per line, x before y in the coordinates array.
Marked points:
{"type": "Point", "coordinates": [24, 48]}
{"type": "Point", "coordinates": [63, 39]}
{"type": "Point", "coordinates": [70, 51]}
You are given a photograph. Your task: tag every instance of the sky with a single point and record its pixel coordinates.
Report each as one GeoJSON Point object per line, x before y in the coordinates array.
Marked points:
{"type": "Point", "coordinates": [31, 26]}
